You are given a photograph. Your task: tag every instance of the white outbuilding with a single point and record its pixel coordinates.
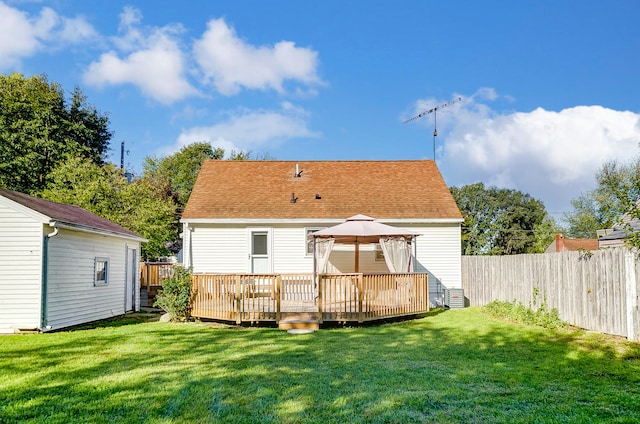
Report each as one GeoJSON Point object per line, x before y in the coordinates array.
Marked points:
{"type": "Point", "coordinates": [61, 265]}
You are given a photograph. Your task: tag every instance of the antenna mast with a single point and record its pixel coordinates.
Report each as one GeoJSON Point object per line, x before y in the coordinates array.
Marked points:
{"type": "Point", "coordinates": [435, 115]}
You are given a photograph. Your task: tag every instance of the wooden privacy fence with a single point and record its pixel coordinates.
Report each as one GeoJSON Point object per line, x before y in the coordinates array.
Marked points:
{"type": "Point", "coordinates": [152, 273]}
{"type": "Point", "coordinates": [337, 297]}
{"type": "Point", "coordinates": [595, 290]}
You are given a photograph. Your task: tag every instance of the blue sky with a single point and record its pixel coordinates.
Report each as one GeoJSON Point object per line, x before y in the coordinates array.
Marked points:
{"type": "Point", "coordinates": [550, 89]}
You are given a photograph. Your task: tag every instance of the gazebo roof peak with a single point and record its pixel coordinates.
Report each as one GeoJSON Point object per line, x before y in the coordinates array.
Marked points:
{"type": "Point", "coordinates": [360, 217]}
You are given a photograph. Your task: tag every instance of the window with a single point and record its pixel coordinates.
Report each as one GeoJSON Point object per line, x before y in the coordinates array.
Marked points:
{"type": "Point", "coordinates": [309, 240]}
{"type": "Point", "coordinates": [259, 243]}
{"type": "Point", "coordinates": [379, 254]}
{"type": "Point", "coordinates": [101, 268]}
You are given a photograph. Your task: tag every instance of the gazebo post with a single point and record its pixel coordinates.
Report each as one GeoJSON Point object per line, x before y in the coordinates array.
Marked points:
{"type": "Point", "coordinates": [357, 264]}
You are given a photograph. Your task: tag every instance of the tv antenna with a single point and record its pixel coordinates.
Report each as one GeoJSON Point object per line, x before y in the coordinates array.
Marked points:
{"type": "Point", "coordinates": [434, 110]}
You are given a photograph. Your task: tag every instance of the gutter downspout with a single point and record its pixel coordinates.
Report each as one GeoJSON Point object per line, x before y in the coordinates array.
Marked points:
{"type": "Point", "coordinates": [45, 277]}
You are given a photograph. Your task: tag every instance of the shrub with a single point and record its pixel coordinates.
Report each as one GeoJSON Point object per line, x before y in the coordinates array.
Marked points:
{"type": "Point", "coordinates": [542, 316]}
{"type": "Point", "coordinates": [175, 296]}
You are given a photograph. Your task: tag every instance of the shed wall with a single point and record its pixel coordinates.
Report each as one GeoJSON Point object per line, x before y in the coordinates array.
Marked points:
{"type": "Point", "coordinates": [20, 270]}
{"type": "Point", "coordinates": [72, 297]}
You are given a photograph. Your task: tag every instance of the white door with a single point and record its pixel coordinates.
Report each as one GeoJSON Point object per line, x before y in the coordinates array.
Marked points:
{"type": "Point", "coordinates": [132, 270]}
{"type": "Point", "coordinates": [259, 256]}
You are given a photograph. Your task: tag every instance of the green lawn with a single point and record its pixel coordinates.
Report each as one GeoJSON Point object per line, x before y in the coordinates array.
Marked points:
{"type": "Point", "coordinates": [451, 366]}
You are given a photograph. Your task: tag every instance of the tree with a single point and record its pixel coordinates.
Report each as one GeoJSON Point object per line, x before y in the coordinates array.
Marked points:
{"type": "Point", "coordinates": [39, 130]}
{"type": "Point", "coordinates": [501, 221]}
{"type": "Point", "coordinates": [105, 191]}
{"type": "Point", "coordinates": [585, 218]}
{"type": "Point", "coordinates": [177, 173]}
{"type": "Point", "coordinates": [616, 193]}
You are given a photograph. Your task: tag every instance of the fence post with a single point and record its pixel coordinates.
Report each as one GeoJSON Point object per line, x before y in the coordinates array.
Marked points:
{"type": "Point", "coordinates": [633, 332]}
{"type": "Point", "coordinates": [238, 300]}
{"type": "Point", "coordinates": [318, 282]}
{"type": "Point", "coordinates": [278, 286]}
{"type": "Point", "coordinates": [426, 291]}
{"type": "Point", "coordinates": [360, 299]}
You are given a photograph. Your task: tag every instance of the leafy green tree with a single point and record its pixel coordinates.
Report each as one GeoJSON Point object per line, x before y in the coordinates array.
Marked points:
{"type": "Point", "coordinates": [500, 221]}
{"type": "Point", "coordinates": [105, 191]}
{"type": "Point", "coordinates": [616, 194]}
{"type": "Point", "coordinates": [176, 174]}
{"type": "Point", "coordinates": [39, 130]}
{"type": "Point", "coordinates": [249, 155]}
{"type": "Point", "coordinates": [544, 234]}
{"type": "Point", "coordinates": [585, 218]}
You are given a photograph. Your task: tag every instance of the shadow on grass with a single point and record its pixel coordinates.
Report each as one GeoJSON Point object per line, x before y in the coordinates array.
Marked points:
{"type": "Point", "coordinates": [449, 366]}
{"type": "Point", "coordinates": [117, 321]}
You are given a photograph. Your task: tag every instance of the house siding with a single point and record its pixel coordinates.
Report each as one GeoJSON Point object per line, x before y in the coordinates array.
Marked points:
{"type": "Point", "coordinates": [225, 249]}
{"type": "Point", "coordinates": [438, 252]}
{"type": "Point", "coordinates": [72, 297]}
{"type": "Point", "coordinates": [219, 249]}
{"type": "Point", "coordinates": [20, 270]}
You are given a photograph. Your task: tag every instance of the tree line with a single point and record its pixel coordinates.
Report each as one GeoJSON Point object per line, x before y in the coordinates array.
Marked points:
{"type": "Point", "coordinates": [504, 222]}
{"type": "Point", "coordinates": [55, 147]}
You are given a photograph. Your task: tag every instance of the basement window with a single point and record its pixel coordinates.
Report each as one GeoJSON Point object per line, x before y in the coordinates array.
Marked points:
{"type": "Point", "coordinates": [101, 271]}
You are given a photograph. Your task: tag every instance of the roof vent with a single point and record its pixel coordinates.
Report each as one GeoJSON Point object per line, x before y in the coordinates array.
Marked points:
{"type": "Point", "coordinates": [298, 173]}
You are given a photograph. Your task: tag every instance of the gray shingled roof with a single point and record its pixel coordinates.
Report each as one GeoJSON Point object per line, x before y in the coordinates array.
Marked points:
{"type": "Point", "coordinates": [621, 232]}
{"type": "Point", "coordinates": [68, 214]}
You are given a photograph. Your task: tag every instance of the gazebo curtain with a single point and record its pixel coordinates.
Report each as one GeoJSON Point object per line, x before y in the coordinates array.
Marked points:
{"type": "Point", "coordinates": [397, 253]}
{"type": "Point", "coordinates": [323, 247]}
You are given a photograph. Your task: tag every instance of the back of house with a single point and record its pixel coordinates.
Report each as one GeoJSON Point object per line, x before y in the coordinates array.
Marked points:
{"type": "Point", "coordinates": [256, 216]}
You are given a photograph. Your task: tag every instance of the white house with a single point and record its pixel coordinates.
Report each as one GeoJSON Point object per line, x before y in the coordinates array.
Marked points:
{"type": "Point", "coordinates": [256, 216]}
{"type": "Point", "coordinates": [61, 265]}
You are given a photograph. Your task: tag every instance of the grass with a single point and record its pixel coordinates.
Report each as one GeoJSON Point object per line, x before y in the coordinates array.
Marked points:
{"type": "Point", "coordinates": [451, 366]}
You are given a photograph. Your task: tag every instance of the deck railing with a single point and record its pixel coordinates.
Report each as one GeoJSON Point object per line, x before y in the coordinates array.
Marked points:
{"type": "Point", "coordinates": [335, 297]}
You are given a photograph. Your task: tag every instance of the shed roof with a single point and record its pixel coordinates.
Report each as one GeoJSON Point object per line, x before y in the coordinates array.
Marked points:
{"type": "Point", "coordinates": [323, 189]}
{"type": "Point", "coordinates": [68, 214]}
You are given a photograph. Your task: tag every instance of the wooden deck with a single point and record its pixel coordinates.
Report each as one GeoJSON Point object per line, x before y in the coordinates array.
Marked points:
{"type": "Point", "coordinates": [252, 298]}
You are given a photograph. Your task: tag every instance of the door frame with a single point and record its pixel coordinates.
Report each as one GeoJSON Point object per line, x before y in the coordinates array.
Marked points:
{"type": "Point", "coordinates": [269, 255]}
{"type": "Point", "coordinates": [132, 269]}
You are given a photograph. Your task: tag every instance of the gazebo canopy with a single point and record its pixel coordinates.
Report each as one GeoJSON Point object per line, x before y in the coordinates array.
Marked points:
{"type": "Point", "coordinates": [361, 229]}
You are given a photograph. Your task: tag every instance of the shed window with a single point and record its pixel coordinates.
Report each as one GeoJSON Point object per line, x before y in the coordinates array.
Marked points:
{"type": "Point", "coordinates": [101, 275]}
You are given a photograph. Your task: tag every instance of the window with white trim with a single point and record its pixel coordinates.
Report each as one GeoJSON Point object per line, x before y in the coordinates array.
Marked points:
{"type": "Point", "coordinates": [101, 271]}
{"type": "Point", "coordinates": [309, 241]}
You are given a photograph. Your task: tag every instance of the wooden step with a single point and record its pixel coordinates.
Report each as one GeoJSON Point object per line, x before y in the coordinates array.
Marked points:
{"type": "Point", "coordinates": [299, 324]}
{"type": "Point", "coordinates": [299, 316]}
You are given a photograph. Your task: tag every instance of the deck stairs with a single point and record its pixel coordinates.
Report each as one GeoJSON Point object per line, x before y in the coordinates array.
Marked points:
{"type": "Point", "coordinates": [299, 321]}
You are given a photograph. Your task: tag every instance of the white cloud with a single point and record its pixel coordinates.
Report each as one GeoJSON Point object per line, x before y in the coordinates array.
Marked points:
{"type": "Point", "coordinates": [156, 65]}
{"type": "Point", "coordinates": [553, 156]}
{"type": "Point", "coordinates": [230, 63]}
{"type": "Point", "coordinates": [22, 36]}
{"type": "Point", "coordinates": [251, 130]}
{"type": "Point", "coordinates": [77, 30]}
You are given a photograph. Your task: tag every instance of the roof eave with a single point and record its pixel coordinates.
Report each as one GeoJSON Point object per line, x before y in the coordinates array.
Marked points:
{"type": "Point", "coordinates": [256, 221]}
{"type": "Point", "coordinates": [94, 230]}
